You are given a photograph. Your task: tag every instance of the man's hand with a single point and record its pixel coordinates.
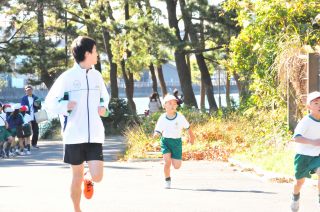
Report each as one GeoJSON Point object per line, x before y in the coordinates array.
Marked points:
{"type": "Point", "coordinates": [71, 105]}
{"type": "Point", "coordinates": [102, 111]}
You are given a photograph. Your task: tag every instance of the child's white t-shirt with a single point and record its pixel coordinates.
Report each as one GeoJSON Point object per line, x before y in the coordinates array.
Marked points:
{"type": "Point", "coordinates": [2, 119]}
{"type": "Point", "coordinates": [27, 118]}
{"type": "Point", "coordinates": [309, 128]}
{"type": "Point", "coordinates": [171, 128]}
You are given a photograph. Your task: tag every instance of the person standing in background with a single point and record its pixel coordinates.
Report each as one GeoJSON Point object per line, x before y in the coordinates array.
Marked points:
{"type": "Point", "coordinates": [34, 104]}
{"type": "Point", "coordinates": [154, 103]}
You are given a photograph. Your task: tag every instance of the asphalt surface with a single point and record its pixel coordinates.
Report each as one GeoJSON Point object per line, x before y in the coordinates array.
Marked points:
{"type": "Point", "coordinates": [40, 183]}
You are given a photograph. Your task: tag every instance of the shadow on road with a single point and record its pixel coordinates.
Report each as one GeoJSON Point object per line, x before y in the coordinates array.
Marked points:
{"type": "Point", "coordinates": [121, 167]}
{"type": "Point", "coordinates": [51, 154]}
{"type": "Point", "coordinates": [226, 190]}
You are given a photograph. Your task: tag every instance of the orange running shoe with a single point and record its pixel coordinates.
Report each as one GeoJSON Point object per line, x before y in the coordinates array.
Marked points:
{"type": "Point", "coordinates": [87, 186]}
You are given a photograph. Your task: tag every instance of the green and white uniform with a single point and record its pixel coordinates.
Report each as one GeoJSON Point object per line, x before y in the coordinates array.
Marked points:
{"type": "Point", "coordinates": [4, 133]}
{"type": "Point", "coordinates": [171, 131]}
{"type": "Point", "coordinates": [307, 158]}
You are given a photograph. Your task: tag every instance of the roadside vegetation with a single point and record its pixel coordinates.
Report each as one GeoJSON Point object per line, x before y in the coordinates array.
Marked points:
{"type": "Point", "coordinates": [261, 139]}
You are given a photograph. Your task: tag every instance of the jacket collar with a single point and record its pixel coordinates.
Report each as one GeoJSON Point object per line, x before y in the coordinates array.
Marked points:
{"type": "Point", "coordinates": [78, 67]}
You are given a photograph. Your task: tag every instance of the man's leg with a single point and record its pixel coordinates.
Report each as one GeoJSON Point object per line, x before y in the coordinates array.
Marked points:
{"type": "Point", "coordinates": [77, 177]}
{"type": "Point", "coordinates": [35, 130]}
{"type": "Point", "coordinates": [96, 170]}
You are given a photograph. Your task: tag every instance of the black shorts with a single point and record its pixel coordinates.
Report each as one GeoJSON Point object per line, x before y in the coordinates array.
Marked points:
{"type": "Point", "coordinates": [76, 154]}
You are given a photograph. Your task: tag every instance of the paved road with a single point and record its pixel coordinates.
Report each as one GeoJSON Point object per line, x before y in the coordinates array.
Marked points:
{"type": "Point", "coordinates": [40, 183]}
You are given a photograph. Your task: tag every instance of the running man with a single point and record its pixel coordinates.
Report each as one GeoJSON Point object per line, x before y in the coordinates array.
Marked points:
{"type": "Point", "coordinates": [79, 96]}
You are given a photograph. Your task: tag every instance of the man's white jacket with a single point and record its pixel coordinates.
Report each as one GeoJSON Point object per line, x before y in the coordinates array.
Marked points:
{"type": "Point", "coordinates": [86, 87]}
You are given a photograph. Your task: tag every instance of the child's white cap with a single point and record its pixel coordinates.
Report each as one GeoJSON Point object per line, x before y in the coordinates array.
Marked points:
{"type": "Point", "coordinates": [312, 96]}
{"type": "Point", "coordinates": [16, 106]}
{"type": "Point", "coordinates": [167, 98]}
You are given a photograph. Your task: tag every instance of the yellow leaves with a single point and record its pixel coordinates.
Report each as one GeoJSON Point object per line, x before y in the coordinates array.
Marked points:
{"type": "Point", "coordinates": [281, 180]}
{"type": "Point", "coordinates": [213, 153]}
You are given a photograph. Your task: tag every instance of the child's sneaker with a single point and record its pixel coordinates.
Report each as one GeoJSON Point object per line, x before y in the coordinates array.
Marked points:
{"type": "Point", "coordinates": [167, 184]}
{"type": "Point", "coordinates": [294, 206]}
{"type": "Point", "coordinates": [28, 152]}
{"type": "Point", "coordinates": [22, 153]}
{"type": "Point", "coordinates": [87, 186]}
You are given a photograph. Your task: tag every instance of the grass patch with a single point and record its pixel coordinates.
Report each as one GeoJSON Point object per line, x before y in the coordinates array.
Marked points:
{"type": "Point", "coordinates": [260, 139]}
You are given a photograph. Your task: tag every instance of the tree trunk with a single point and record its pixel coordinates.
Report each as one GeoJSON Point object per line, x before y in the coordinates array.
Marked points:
{"type": "Point", "coordinates": [128, 80]}
{"type": "Point", "coordinates": [205, 75]}
{"type": "Point", "coordinates": [202, 96]}
{"type": "Point", "coordinates": [183, 70]}
{"type": "Point", "coordinates": [154, 78]}
{"type": "Point", "coordinates": [44, 75]}
{"type": "Point", "coordinates": [242, 87]}
{"type": "Point", "coordinates": [228, 100]}
{"type": "Point", "coordinates": [161, 80]}
{"type": "Point", "coordinates": [113, 66]}
{"type": "Point", "coordinates": [127, 74]}
{"type": "Point", "coordinates": [185, 79]}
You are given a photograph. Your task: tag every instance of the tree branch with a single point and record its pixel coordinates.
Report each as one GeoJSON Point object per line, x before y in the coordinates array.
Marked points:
{"type": "Point", "coordinates": [15, 33]}
{"type": "Point", "coordinates": [202, 50]}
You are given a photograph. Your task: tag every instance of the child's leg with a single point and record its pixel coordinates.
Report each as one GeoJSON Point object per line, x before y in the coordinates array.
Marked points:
{"type": "Point", "coordinates": [27, 140]}
{"type": "Point", "coordinates": [318, 173]}
{"type": "Point", "coordinates": [297, 186]}
{"type": "Point", "coordinates": [176, 163]}
{"type": "Point", "coordinates": [13, 144]}
{"type": "Point", "coordinates": [167, 164]}
{"type": "Point", "coordinates": [21, 144]}
{"type": "Point", "coordinates": [1, 148]}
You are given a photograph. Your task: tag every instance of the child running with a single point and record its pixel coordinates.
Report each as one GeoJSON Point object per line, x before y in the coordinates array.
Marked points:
{"type": "Point", "coordinates": [169, 127]}
{"type": "Point", "coordinates": [79, 96]}
{"type": "Point", "coordinates": [5, 137]}
{"type": "Point", "coordinates": [307, 138]}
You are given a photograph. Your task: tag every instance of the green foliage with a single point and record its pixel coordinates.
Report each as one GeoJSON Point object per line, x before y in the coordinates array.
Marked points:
{"type": "Point", "coordinates": [119, 118]}
{"type": "Point", "coordinates": [118, 109]}
{"type": "Point", "coordinates": [263, 25]}
{"type": "Point", "coordinates": [50, 129]}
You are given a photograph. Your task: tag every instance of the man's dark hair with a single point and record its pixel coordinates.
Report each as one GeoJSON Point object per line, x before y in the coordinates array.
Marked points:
{"type": "Point", "coordinates": [80, 46]}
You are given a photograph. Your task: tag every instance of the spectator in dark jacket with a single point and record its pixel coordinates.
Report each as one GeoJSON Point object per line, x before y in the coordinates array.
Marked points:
{"type": "Point", "coordinates": [34, 104]}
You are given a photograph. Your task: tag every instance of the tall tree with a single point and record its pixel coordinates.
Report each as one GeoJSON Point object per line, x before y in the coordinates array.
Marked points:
{"type": "Point", "coordinates": [179, 55]}
{"type": "Point", "coordinates": [107, 45]}
{"type": "Point", "coordinates": [205, 75]}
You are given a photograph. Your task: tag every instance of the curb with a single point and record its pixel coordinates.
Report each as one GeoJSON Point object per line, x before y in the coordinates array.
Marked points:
{"type": "Point", "coordinates": [268, 175]}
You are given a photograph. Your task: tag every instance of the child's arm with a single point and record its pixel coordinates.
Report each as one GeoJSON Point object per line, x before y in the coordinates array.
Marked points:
{"type": "Point", "coordinates": [304, 140]}
{"type": "Point", "coordinates": [156, 134]}
{"type": "Point", "coordinates": [191, 136]}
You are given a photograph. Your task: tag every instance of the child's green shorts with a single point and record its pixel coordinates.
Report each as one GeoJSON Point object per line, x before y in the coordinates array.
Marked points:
{"type": "Point", "coordinates": [173, 146]}
{"type": "Point", "coordinates": [4, 134]}
{"type": "Point", "coordinates": [305, 165]}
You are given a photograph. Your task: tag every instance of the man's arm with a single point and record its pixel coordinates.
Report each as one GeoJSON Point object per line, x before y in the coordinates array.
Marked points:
{"type": "Point", "coordinates": [55, 102]}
